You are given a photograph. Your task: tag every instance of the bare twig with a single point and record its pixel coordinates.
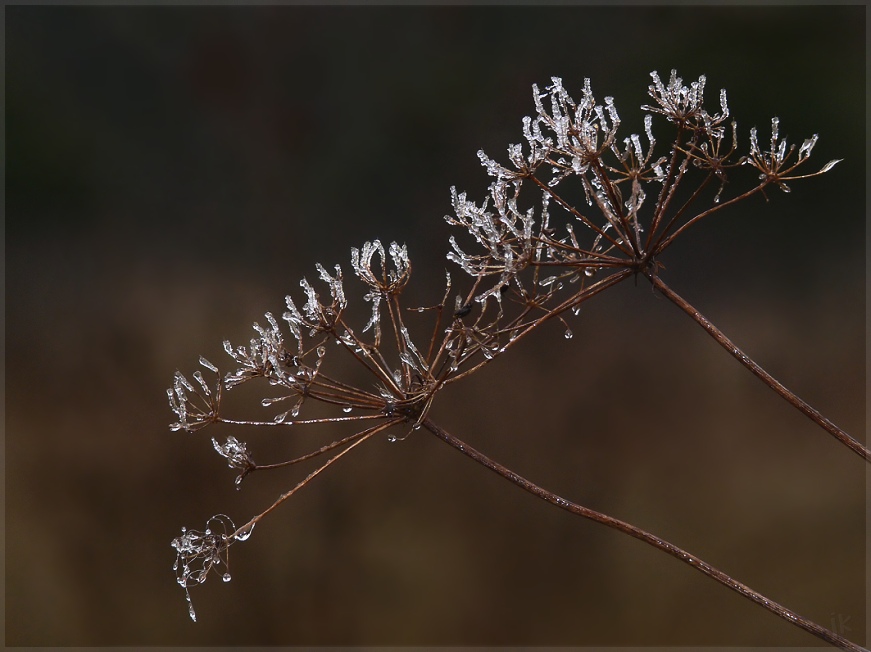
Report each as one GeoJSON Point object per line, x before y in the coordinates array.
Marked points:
{"type": "Point", "coordinates": [800, 405]}
{"type": "Point", "coordinates": [648, 538]}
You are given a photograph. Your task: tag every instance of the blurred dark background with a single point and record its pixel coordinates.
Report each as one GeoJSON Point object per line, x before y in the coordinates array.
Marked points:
{"type": "Point", "coordinates": [171, 173]}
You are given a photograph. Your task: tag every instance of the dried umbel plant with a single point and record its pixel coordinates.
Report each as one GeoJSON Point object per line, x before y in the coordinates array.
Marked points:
{"type": "Point", "coordinates": [531, 256]}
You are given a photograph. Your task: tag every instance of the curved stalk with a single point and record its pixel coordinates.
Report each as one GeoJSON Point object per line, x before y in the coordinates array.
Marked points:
{"type": "Point", "coordinates": [648, 538]}
{"type": "Point", "coordinates": [813, 414]}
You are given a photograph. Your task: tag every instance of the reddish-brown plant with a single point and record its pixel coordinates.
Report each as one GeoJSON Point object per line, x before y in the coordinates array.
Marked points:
{"type": "Point", "coordinates": [531, 256]}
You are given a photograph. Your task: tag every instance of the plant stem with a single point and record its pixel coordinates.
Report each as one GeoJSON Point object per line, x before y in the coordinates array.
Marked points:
{"type": "Point", "coordinates": [853, 444]}
{"type": "Point", "coordinates": [651, 539]}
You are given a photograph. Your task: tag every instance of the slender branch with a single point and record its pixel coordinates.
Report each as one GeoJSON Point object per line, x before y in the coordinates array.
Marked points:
{"type": "Point", "coordinates": [651, 539]}
{"type": "Point", "coordinates": [576, 299]}
{"type": "Point", "coordinates": [814, 415]}
{"type": "Point", "coordinates": [665, 239]}
{"type": "Point", "coordinates": [297, 422]}
{"type": "Point", "coordinates": [363, 436]}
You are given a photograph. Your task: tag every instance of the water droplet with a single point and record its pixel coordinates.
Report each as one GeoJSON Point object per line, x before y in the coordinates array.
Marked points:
{"type": "Point", "coordinates": [226, 577]}
{"type": "Point", "coordinates": [391, 439]}
{"type": "Point", "coordinates": [346, 409]}
{"type": "Point", "coordinates": [191, 612]}
{"type": "Point", "coordinates": [322, 351]}
{"type": "Point", "coordinates": [244, 534]}
{"type": "Point", "coordinates": [569, 334]}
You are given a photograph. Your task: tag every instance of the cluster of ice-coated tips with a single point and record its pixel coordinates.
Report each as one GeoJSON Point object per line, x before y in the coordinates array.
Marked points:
{"type": "Point", "coordinates": [774, 164]}
{"type": "Point", "coordinates": [568, 140]}
{"type": "Point", "coordinates": [199, 553]}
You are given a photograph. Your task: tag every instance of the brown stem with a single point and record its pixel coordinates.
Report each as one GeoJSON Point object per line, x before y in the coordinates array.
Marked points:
{"type": "Point", "coordinates": [665, 239]}
{"type": "Point", "coordinates": [759, 372]}
{"type": "Point", "coordinates": [651, 539]}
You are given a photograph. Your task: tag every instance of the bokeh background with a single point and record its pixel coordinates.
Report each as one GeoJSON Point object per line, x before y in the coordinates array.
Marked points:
{"type": "Point", "coordinates": [172, 172]}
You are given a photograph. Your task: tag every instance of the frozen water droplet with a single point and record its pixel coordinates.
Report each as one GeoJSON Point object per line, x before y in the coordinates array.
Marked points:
{"type": "Point", "coordinates": [244, 534]}
{"type": "Point", "coordinates": [346, 409]}
{"type": "Point", "coordinates": [569, 334]}
{"type": "Point", "coordinates": [391, 439]}
{"type": "Point", "coordinates": [208, 364]}
{"type": "Point", "coordinates": [193, 614]}
{"type": "Point", "coordinates": [226, 577]}
{"type": "Point", "coordinates": [322, 351]}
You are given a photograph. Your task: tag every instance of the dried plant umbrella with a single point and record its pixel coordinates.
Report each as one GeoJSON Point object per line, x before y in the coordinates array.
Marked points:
{"type": "Point", "coordinates": [525, 268]}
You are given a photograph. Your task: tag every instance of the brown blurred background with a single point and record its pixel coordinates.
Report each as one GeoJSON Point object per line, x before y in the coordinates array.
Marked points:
{"type": "Point", "coordinates": [173, 172]}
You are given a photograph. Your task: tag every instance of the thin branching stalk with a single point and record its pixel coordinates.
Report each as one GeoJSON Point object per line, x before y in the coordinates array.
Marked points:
{"type": "Point", "coordinates": [359, 439]}
{"type": "Point", "coordinates": [810, 412]}
{"type": "Point", "coordinates": [642, 535]}
{"type": "Point", "coordinates": [531, 265]}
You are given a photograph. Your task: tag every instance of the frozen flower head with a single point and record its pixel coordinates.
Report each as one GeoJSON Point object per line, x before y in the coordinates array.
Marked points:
{"type": "Point", "coordinates": [194, 406]}
{"type": "Point", "coordinates": [684, 105]}
{"type": "Point", "coordinates": [570, 135]}
{"type": "Point", "coordinates": [237, 456]}
{"type": "Point", "coordinates": [772, 163]}
{"type": "Point", "coordinates": [199, 553]}
{"type": "Point", "coordinates": [382, 278]}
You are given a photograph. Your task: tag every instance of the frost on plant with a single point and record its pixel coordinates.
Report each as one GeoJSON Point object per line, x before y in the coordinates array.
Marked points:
{"type": "Point", "coordinates": [529, 256]}
{"type": "Point", "coordinates": [199, 553]}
